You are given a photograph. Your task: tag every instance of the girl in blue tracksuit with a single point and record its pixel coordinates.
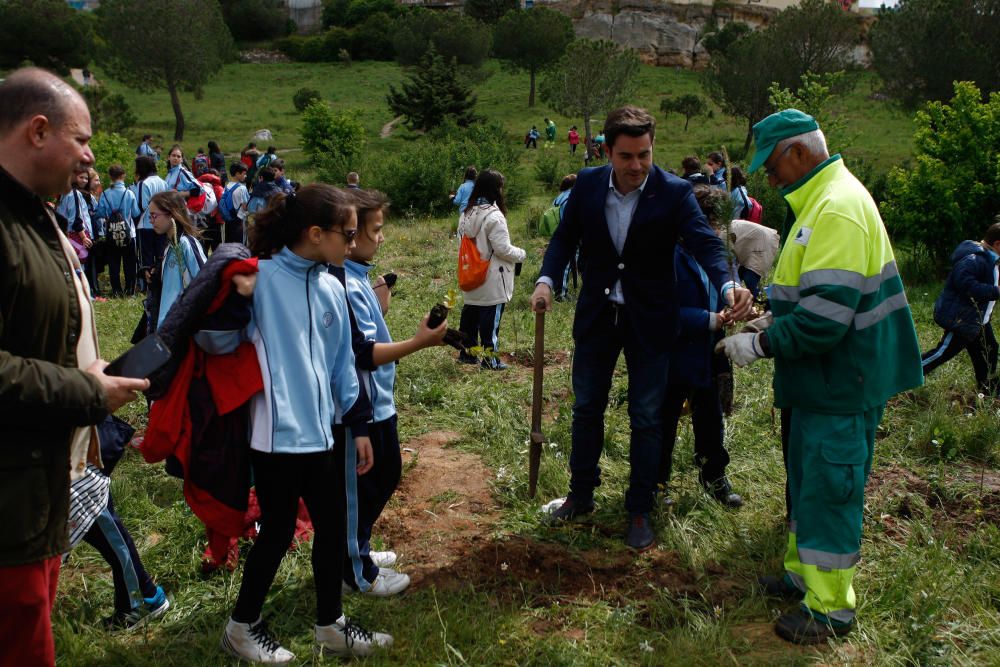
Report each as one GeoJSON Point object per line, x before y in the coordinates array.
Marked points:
{"type": "Point", "coordinates": [179, 177]}
{"type": "Point", "coordinates": [376, 359]}
{"type": "Point", "coordinates": [183, 256]}
{"type": "Point", "coordinates": [75, 207]}
{"type": "Point", "coordinates": [301, 330]}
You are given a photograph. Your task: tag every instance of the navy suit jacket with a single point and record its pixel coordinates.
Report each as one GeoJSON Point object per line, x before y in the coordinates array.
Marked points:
{"type": "Point", "coordinates": [666, 213]}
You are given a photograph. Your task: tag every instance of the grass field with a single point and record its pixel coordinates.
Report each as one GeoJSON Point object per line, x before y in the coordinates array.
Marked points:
{"type": "Point", "coordinates": [244, 98]}
{"type": "Point", "coordinates": [496, 587]}
{"type": "Point", "coordinates": [492, 585]}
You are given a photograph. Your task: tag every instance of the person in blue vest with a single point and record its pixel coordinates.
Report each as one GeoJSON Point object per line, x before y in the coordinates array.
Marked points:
{"type": "Point", "coordinates": [627, 216]}
{"type": "Point", "coordinates": [121, 251]}
{"type": "Point", "coordinates": [146, 148]}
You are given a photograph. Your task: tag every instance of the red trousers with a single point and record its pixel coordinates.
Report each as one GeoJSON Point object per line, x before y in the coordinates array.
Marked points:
{"type": "Point", "coordinates": [27, 594]}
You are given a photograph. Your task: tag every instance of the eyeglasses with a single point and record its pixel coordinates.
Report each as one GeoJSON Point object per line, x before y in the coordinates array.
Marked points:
{"type": "Point", "coordinates": [769, 171]}
{"type": "Point", "coordinates": [153, 215]}
{"type": "Point", "coordinates": [349, 234]}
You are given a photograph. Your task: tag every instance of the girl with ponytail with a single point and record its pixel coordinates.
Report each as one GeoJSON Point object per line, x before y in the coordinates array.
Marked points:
{"type": "Point", "coordinates": [183, 257]}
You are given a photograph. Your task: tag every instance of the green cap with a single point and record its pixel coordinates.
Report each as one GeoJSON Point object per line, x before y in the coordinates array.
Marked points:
{"type": "Point", "coordinates": [781, 125]}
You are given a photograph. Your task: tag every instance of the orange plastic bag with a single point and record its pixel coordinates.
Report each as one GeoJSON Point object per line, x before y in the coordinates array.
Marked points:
{"type": "Point", "coordinates": [472, 268]}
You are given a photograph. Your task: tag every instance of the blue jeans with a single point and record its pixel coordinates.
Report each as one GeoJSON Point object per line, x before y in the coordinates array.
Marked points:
{"type": "Point", "coordinates": [593, 365]}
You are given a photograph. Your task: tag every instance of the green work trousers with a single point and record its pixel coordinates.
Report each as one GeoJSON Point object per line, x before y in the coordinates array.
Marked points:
{"type": "Point", "coordinates": [829, 458]}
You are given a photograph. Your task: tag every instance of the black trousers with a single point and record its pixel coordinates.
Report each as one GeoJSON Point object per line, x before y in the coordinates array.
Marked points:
{"type": "Point", "coordinates": [120, 259]}
{"type": "Point", "coordinates": [375, 488]}
{"type": "Point", "coordinates": [482, 324]}
{"type": "Point", "coordinates": [112, 540]}
{"type": "Point", "coordinates": [281, 479]}
{"type": "Point", "coordinates": [982, 351]}
{"type": "Point", "coordinates": [710, 455]}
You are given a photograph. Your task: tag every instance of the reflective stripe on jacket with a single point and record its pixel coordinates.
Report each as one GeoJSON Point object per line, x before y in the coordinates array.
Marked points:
{"type": "Point", "coordinates": [843, 336]}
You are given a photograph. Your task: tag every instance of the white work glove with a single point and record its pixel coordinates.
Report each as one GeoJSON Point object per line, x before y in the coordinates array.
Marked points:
{"type": "Point", "coordinates": [742, 348]}
{"type": "Point", "coordinates": [760, 324]}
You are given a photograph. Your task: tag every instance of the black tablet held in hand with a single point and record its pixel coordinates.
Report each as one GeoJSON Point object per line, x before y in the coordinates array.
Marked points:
{"type": "Point", "coordinates": [142, 360]}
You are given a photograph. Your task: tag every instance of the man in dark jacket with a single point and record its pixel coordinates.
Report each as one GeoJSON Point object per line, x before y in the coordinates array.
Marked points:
{"type": "Point", "coordinates": [627, 216]}
{"type": "Point", "coordinates": [52, 386]}
{"type": "Point", "coordinates": [964, 308]}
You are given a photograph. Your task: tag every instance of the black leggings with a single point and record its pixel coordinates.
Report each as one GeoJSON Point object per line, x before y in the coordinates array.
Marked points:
{"type": "Point", "coordinates": [281, 479]}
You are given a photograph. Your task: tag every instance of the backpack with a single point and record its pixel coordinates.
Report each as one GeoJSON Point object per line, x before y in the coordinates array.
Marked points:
{"type": "Point", "coordinates": [226, 208]}
{"type": "Point", "coordinates": [472, 268]}
{"type": "Point", "coordinates": [756, 212]}
{"type": "Point", "coordinates": [549, 221]}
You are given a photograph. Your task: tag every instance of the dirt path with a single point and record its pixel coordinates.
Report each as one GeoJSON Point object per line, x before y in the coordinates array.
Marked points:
{"type": "Point", "coordinates": [387, 128]}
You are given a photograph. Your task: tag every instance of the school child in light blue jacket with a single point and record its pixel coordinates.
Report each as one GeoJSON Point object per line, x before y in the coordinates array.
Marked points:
{"type": "Point", "coordinates": [301, 330]}
{"type": "Point", "coordinates": [183, 257]}
{"type": "Point", "coordinates": [377, 358]}
{"type": "Point", "coordinates": [179, 177]}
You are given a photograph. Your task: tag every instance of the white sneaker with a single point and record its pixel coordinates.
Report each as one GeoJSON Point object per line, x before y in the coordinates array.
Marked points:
{"type": "Point", "coordinates": [344, 638]}
{"type": "Point", "coordinates": [254, 642]}
{"type": "Point", "coordinates": [386, 584]}
{"type": "Point", "coordinates": [383, 558]}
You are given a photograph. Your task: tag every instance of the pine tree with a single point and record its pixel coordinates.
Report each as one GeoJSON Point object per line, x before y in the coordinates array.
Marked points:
{"type": "Point", "coordinates": [432, 95]}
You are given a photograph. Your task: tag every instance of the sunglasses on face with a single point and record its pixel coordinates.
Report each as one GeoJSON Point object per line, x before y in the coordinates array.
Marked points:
{"type": "Point", "coordinates": [349, 234]}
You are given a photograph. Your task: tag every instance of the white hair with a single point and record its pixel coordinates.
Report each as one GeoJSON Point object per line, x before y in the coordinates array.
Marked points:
{"type": "Point", "coordinates": [814, 142]}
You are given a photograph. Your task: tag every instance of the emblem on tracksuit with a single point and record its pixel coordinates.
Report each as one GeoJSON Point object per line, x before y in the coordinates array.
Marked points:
{"type": "Point", "coordinates": [327, 319]}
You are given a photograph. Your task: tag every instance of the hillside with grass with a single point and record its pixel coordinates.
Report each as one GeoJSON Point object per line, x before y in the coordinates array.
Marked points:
{"type": "Point", "coordinates": [492, 584]}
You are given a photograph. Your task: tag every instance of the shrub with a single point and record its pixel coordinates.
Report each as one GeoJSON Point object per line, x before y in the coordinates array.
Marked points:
{"type": "Point", "coordinates": [304, 97]}
{"type": "Point", "coordinates": [466, 40]}
{"type": "Point", "coordinates": [333, 142]}
{"type": "Point", "coordinates": [111, 148]}
{"type": "Point", "coordinates": [548, 168]}
{"type": "Point", "coordinates": [952, 192]}
{"type": "Point", "coordinates": [109, 112]}
{"type": "Point", "coordinates": [253, 20]}
{"type": "Point", "coordinates": [371, 41]}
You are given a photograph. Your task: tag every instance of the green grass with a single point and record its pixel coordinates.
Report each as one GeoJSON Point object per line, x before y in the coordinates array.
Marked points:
{"type": "Point", "coordinates": [244, 98]}
{"type": "Point", "coordinates": [928, 585]}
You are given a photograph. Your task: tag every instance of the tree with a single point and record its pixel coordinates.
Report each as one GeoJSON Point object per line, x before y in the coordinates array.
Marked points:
{"type": "Point", "coordinates": [453, 36]}
{"type": "Point", "coordinates": [254, 20]}
{"type": "Point", "coordinates": [738, 80]}
{"type": "Point", "coordinates": [196, 41]}
{"type": "Point", "coordinates": [532, 40]}
{"type": "Point", "coordinates": [489, 11]}
{"type": "Point", "coordinates": [816, 97]}
{"type": "Point", "coordinates": [109, 112]}
{"type": "Point", "coordinates": [923, 46]}
{"type": "Point", "coordinates": [688, 106]}
{"type": "Point", "coordinates": [814, 36]}
{"type": "Point", "coordinates": [47, 33]}
{"type": "Point", "coordinates": [432, 95]}
{"type": "Point", "coordinates": [592, 78]}
{"type": "Point", "coordinates": [953, 190]}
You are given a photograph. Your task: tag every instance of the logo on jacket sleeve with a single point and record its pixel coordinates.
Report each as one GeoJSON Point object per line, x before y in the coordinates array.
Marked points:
{"type": "Point", "coordinates": [802, 238]}
{"type": "Point", "coordinates": [327, 319]}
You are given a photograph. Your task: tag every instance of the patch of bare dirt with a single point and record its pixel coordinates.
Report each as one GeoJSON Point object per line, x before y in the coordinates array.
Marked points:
{"type": "Point", "coordinates": [441, 523]}
{"type": "Point", "coordinates": [964, 500]}
{"type": "Point", "coordinates": [443, 503]}
{"type": "Point", "coordinates": [552, 358]}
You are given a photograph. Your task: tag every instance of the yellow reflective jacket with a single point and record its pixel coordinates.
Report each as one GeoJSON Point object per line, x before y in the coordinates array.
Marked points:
{"type": "Point", "coordinates": [843, 338]}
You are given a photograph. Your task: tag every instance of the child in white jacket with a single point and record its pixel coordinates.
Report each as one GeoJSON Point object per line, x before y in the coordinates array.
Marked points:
{"type": "Point", "coordinates": [484, 220]}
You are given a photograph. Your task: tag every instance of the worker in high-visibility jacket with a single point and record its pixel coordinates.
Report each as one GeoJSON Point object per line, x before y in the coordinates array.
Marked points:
{"type": "Point", "coordinates": [843, 342]}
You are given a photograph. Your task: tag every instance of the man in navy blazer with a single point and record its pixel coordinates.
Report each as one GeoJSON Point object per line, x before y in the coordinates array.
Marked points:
{"type": "Point", "coordinates": [627, 216]}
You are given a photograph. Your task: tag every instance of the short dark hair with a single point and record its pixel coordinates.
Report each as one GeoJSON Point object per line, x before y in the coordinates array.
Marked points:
{"type": "Point", "coordinates": [32, 91]}
{"type": "Point", "coordinates": [266, 174]}
{"type": "Point", "coordinates": [993, 232]}
{"type": "Point", "coordinates": [691, 165]}
{"type": "Point", "coordinates": [716, 157]}
{"type": "Point", "coordinates": [368, 201]}
{"type": "Point", "coordinates": [115, 172]}
{"type": "Point", "coordinates": [568, 181]}
{"type": "Point", "coordinates": [145, 166]}
{"type": "Point", "coordinates": [471, 172]}
{"type": "Point", "coordinates": [630, 121]}
{"type": "Point", "coordinates": [271, 149]}
{"type": "Point", "coordinates": [237, 168]}
{"type": "Point", "coordinates": [277, 163]}
{"type": "Point", "coordinates": [147, 137]}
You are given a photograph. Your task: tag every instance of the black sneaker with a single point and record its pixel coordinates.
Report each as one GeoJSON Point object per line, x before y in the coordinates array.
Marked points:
{"type": "Point", "coordinates": [464, 358]}
{"type": "Point", "coordinates": [778, 587]}
{"type": "Point", "coordinates": [801, 627]}
{"type": "Point", "coordinates": [722, 491]}
{"type": "Point", "coordinates": [569, 510]}
{"type": "Point", "coordinates": [151, 608]}
{"type": "Point", "coordinates": [640, 533]}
